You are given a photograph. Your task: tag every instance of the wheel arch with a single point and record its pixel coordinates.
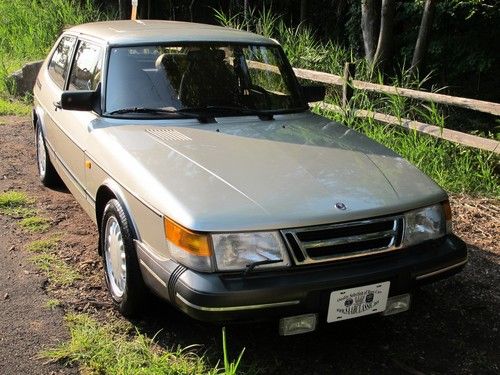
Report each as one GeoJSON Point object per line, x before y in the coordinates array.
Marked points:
{"type": "Point", "coordinates": [111, 190]}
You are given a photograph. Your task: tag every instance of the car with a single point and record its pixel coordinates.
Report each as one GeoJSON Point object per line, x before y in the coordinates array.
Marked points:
{"type": "Point", "coordinates": [212, 184]}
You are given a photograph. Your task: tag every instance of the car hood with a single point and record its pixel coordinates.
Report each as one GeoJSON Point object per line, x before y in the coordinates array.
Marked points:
{"type": "Point", "coordinates": [242, 173]}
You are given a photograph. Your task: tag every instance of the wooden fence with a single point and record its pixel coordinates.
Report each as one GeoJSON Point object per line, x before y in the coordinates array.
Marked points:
{"type": "Point", "coordinates": [450, 135]}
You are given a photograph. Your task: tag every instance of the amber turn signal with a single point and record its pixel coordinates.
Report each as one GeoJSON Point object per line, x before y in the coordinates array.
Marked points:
{"type": "Point", "coordinates": [193, 243]}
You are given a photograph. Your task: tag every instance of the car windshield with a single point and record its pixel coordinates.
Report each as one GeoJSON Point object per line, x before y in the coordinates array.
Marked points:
{"type": "Point", "coordinates": [219, 78]}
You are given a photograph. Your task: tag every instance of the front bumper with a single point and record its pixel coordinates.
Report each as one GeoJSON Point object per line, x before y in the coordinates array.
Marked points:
{"type": "Point", "coordinates": [302, 289]}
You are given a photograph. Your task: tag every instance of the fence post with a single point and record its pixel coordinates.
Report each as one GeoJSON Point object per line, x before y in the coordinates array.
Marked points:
{"type": "Point", "coordinates": [347, 88]}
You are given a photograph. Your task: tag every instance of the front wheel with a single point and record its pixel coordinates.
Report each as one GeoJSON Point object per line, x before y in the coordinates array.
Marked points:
{"type": "Point", "coordinates": [121, 267]}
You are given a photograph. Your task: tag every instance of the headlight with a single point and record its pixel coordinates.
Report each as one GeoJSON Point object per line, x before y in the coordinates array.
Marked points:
{"type": "Point", "coordinates": [237, 251]}
{"type": "Point", "coordinates": [425, 224]}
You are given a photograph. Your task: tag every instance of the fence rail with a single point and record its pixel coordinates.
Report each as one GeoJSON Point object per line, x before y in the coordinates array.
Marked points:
{"type": "Point", "coordinates": [454, 136]}
{"type": "Point", "coordinates": [332, 79]}
{"type": "Point", "coordinates": [433, 130]}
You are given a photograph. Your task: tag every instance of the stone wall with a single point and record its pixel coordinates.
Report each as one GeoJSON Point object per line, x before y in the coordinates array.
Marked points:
{"type": "Point", "coordinates": [24, 79]}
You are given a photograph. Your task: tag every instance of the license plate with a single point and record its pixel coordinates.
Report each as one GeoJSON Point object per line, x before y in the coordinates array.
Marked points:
{"type": "Point", "coordinates": [355, 302]}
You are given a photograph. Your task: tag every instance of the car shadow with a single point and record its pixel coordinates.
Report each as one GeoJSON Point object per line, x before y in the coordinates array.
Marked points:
{"type": "Point", "coordinates": [452, 327]}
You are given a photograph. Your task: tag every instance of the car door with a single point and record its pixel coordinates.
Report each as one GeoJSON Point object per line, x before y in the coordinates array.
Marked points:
{"type": "Point", "coordinates": [71, 130]}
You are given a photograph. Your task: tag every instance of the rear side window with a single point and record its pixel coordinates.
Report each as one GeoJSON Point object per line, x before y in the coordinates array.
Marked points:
{"type": "Point", "coordinates": [86, 71]}
{"type": "Point", "coordinates": [60, 61]}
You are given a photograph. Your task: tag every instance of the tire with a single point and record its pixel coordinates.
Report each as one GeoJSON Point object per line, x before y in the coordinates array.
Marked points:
{"type": "Point", "coordinates": [46, 171]}
{"type": "Point", "coordinates": [121, 267]}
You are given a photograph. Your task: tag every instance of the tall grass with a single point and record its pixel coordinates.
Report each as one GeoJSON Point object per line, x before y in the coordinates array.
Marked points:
{"type": "Point", "coordinates": [28, 28]}
{"type": "Point", "coordinates": [114, 347]}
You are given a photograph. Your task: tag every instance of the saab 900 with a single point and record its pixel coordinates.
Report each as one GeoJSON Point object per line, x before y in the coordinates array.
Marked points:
{"type": "Point", "coordinates": [194, 150]}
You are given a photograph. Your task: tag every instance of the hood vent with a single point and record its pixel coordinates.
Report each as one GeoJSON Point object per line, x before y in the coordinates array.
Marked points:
{"type": "Point", "coordinates": [168, 134]}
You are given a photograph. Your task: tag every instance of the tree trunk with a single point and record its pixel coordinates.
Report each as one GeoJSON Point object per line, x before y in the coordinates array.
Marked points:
{"type": "Point", "coordinates": [124, 9]}
{"type": "Point", "coordinates": [423, 35]}
{"type": "Point", "coordinates": [386, 35]}
{"type": "Point", "coordinates": [369, 18]}
{"type": "Point", "coordinates": [245, 14]}
{"type": "Point", "coordinates": [303, 10]}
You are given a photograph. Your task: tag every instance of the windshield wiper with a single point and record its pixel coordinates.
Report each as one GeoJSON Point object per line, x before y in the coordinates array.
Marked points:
{"type": "Point", "coordinates": [197, 112]}
{"type": "Point", "coordinates": [152, 110]}
{"type": "Point", "coordinates": [263, 115]}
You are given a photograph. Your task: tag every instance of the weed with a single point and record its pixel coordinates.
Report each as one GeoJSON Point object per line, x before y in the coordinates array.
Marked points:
{"type": "Point", "coordinates": [47, 245]}
{"type": "Point", "coordinates": [35, 224]}
{"type": "Point", "coordinates": [52, 304]}
{"type": "Point", "coordinates": [57, 271]}
{"type": "Point", "coordinates": [16, 204]}
{"type": "Point", "coordinates": [45, 258]}
{"type": "Point", "coordinates": [107, 348]}
{"type": "Point", "coordinates": [14, 107]}
{"type": "Point", "coordinates": [230, 368]}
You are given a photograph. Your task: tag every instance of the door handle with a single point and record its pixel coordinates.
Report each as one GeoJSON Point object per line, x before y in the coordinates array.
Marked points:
{"type": "Point", "coordinates": [57, 105]}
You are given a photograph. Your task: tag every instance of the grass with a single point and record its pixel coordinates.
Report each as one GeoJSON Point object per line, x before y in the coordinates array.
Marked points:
{"type": "Point", "coordinates": [30, 27]}
{"type": "Point", "coordinates": [35, 224]}
{"type": "Point", "coordinates": [10, 106]}
{"type": "Point", "coordinates": [46, 245]}
{"type": "Point", "coordinates": [52, 304]}
{"type": "Point", "coordinates": [115, 348]}
{"type": "Point", "coordinates": [56, 270]}
{"type": "Point", "coordinates": [230, 368]}
{"type": "Point", "coordinates": [45, 258]}
{"type": "Point", "coordinates": [16, 204]}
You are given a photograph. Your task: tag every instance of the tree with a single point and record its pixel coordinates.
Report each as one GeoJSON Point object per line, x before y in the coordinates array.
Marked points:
{"type": "Point", "coordinates": [303, 10]}
{"type": "Point", "coordinates": [124, 9]}
{"type": "Point", "coordinates": [423, 35]}
{"type": "Point", "coordinates": [369, 27]}
{"type": "Point", "coordinates": [382, 54]}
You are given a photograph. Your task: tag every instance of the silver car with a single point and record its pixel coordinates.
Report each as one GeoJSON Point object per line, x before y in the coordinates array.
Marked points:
{"type": "Point", "coordinates": [193, 149]}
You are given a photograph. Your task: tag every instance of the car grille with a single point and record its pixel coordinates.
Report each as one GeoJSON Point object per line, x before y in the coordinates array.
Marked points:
{"type": "Point", "coordinates": [346, 240]}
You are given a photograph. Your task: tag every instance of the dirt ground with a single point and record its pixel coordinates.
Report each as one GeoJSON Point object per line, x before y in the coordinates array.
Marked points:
{"type": "Point", "coordinates": [453, 326]}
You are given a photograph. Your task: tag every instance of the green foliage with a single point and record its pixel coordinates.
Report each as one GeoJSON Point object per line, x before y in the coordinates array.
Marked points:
{"type": "Point", "coordinates": [115, 348]}
{"type": "Point", "coordinates": [14, 107]}
{"type": "Point", "coordinates": [52, 304]}
{"type": "Point", "coordinates": [29, 28]}
{"type": "Point", "coordinates": [46, 245]}
{"type": "Point", "coordinates": [47, 260]}
{"type": "Point", "coordinates": [35, 224]}
{"type": "Point", "coordinates": [57, 271]}
{"type": "Point", "coordinates": [230, 368]}
{"type": "Point", "coordinates": [16, 204]}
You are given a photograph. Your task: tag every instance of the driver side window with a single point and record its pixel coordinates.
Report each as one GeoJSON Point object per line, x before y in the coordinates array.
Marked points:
{"type": "Point", "coordinates": [86, 70]}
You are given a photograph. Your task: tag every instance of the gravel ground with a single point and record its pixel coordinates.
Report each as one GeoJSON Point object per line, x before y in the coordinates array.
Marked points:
{"type": "Point", "coordinates": [453, 326]}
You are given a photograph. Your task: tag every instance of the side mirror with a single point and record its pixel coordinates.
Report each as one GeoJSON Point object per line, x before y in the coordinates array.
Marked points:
{"type": "Point", "coordinates": [86, 100]}
{"type": "Point", "coordinates": [314, 93]}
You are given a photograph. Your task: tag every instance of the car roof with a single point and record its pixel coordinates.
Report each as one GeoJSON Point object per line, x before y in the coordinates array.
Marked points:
{"type": "Point", "coordinates": [129, 32]}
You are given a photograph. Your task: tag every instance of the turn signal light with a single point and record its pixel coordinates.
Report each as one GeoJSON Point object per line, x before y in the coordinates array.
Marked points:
{"type": "Point", "coordinates": [193, 243]}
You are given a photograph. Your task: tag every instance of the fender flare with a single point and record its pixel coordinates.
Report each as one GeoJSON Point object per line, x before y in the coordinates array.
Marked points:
{"type": "Point", "coordinates": [118, 193]}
